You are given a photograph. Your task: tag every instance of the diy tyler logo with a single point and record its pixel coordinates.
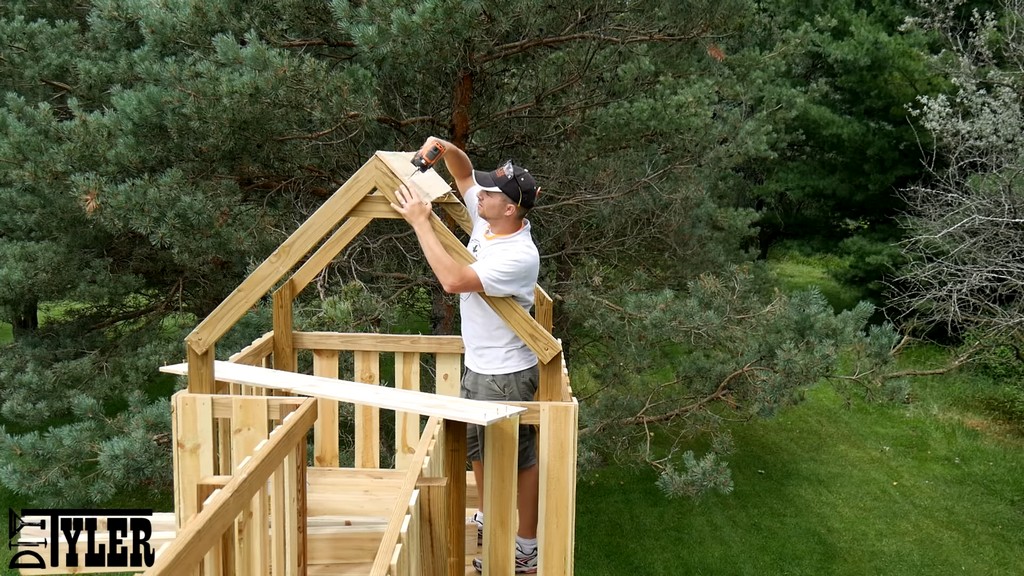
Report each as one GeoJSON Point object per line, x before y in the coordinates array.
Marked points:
{"type": "Point", "coordinates": [80, 537]}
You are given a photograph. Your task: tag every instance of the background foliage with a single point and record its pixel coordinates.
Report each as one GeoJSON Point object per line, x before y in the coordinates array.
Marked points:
{"type": "Point", "coordinates": [151, 154]}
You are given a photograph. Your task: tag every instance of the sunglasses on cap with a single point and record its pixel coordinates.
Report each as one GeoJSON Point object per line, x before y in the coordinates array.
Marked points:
{"type": "Point", "coordinates": [510, 170]}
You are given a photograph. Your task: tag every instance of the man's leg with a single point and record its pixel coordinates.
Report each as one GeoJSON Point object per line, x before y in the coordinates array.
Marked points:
{"type": "Point", "coordinates": [478, 473]}
{"type": "Point", "coordinates": [527, 498]}
{"type": "Point", "coordinates": [529, 490]}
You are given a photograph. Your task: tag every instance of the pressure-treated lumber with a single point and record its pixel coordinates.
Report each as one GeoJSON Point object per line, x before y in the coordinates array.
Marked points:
{"type": "Point", "coordinates": [192, 428]}
{"type": "Point", "coordinates": [455, 470]}
{"type": "Point", "coordinates": [448, 368]}
{"type": "Point", "coordinates": [429, 185]}
{"type": "Point", "coordinates": [391, 534]}
{"type": "Point", "coordinates": [461, 409]}
{"type": "Point", "coordinates": [501, 460]}
{"type": "Point", "coordinates": [367, 371]}
{"type": "Point", "coordinates": [364, 492]}
{"type": "Point", "coordinates": [345, 544]}
{"type": "Point", "coordinates": [255, 353]}
{"type": "Point", "coordinates": [407, 424]}
{"type": "Point", "coordinates": [379, 342]}
{"type": "Point", "coordinates": [284, 348]}
{"type": "Point", "coordinates": [551, 387]}
{"type": "Point", "coordinates": [375, 207]}
{"type": "Point", "coordinates": [200, 370]}
{"type": "Point", "coordinates": [199, 535]}
{"type": "Point", "coordinates": [325, 432]}
{"type": "Point", "coordinates": [460, 215]}
{"type": "Point", "coordinates": [295, 520]}
{"type": "Point", "coordinates": [278, 519]}
{"type": "Point", "coordinates": [543, 308]}
{"type": "Point", "coordinates": [248, 429]}
{"type": "Point", "coordinates": [557, 506]}
{"type": "Point", "coordinates": [277, 409]}
{"type": "Point", "coordinates": [433, 548]}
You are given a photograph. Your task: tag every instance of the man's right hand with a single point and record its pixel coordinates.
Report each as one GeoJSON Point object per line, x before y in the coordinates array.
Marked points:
{"type": "Point", "coordinates": [456, 161]}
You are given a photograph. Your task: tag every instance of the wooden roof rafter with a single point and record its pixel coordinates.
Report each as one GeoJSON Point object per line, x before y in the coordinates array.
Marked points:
{"type": "Point", "coordinates": [365, 196]}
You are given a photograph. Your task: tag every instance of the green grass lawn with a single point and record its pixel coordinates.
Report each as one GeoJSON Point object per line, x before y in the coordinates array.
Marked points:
{"type": "Point", "coordinates": [830, 487]}
{"type": "Point", "coordinates": [801, 274]}
{"type": "Point", "coordinates": [6, 334]}
{"type": "Point", "coordinates": [826, 489]}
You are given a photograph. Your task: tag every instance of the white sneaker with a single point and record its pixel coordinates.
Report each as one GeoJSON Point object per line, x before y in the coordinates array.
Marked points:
{"type": "Point", "coordinates": [478, 518]}
{"type": "Point", "coordinates": [526, 562]}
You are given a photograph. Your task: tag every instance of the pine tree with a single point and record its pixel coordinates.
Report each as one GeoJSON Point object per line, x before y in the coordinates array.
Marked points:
{"type": "Point", "coordinates": [838, 76]}
{"type": "Point", "coordinates": [151, 154]}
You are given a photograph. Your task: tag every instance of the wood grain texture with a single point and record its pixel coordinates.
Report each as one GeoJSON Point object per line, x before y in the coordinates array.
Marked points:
{"type": "Point", "coordinates": [204, 531]}
{"type": "Point", "coordinates": [461, 409]}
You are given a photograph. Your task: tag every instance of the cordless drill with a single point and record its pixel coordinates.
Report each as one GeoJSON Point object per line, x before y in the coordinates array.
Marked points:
{"type": "Point", "coordinates": [425, 160]}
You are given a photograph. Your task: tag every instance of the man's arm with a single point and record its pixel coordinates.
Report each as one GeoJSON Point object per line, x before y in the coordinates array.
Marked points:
{"type": "Point", "coordinates": [457, 163]}
{"type": "Point", "coordinates": [455, 278]}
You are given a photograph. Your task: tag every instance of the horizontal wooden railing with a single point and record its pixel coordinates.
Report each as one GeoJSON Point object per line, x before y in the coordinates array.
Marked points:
{"type": "Point", "coordinates": [402, 545]}
{"type": "Point", "coordinates": [259, 511]}
{"type": "Point", "coordinates": [400, 550]}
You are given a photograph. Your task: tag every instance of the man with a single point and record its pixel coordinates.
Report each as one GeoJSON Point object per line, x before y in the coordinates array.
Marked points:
{"type": "Point", "coordinates": [499, 365]}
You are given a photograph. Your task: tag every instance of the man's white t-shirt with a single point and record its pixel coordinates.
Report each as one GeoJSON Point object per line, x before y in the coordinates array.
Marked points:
{"type": "Point", "coordinates": [508, 265]}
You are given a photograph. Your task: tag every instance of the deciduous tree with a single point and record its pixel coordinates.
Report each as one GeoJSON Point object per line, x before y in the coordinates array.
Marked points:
{"type": "Point", "coordinates": [966, 223]}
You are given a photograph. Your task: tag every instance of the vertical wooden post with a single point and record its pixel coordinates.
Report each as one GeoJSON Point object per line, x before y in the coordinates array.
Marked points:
{"type": "Point", "coordinates": [433, 526]}
{"type": "Point", "coordinates": [248, 429]}
{"type": "Point", "coordinates": [193, 458]}
{"type": "Point", "coordinates": [501, 467]}
{"type": "Point", "coordinates": [449, 374]}
{"type": "Point", "coordinates": [295, 524]}
{"type": "Point", "coordinates": [543, 309]}
{"type": "Point", "coordinates": [407, 424]}
{"type": "Point", "coordinates": [367, 369]}
{"type": "Point", "coordinates": [557, 507]}
{"type": "Point", "coordinates": [284, 347]}
{"type": "Point", "coordinates": [550, 388]}
{"type": "Point", "coordinates": [278, 522]}
{"type": "Point", "coordinates": [301, 507]}
{"type": "Point", "coordinates": [192, 431]}
{"type": "Point", "coordinates": [455, 471]}
{"type": "Point", "coordinates": [200, 370]}
{"type": "Point", "coordinates": [325, 431]}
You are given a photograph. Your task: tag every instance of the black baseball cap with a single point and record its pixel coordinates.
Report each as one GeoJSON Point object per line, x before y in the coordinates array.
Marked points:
{"type": "Point", "coordinates": [511, 180]}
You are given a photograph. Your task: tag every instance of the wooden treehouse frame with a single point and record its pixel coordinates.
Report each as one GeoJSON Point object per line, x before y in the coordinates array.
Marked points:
{"type": "Point", "coordinates": [246, 503]}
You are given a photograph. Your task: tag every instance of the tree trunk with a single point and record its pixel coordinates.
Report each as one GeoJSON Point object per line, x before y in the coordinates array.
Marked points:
{"type": "Point", "coordinates": [26, 321]}
{"type": "Point", "coordinates": [443, 313]}
{"type": "Point", "coordinates": [461, 100]}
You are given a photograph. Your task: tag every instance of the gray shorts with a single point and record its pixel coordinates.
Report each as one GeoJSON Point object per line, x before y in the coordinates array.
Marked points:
{"type": "Point", "coordinates": [515, 387]}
